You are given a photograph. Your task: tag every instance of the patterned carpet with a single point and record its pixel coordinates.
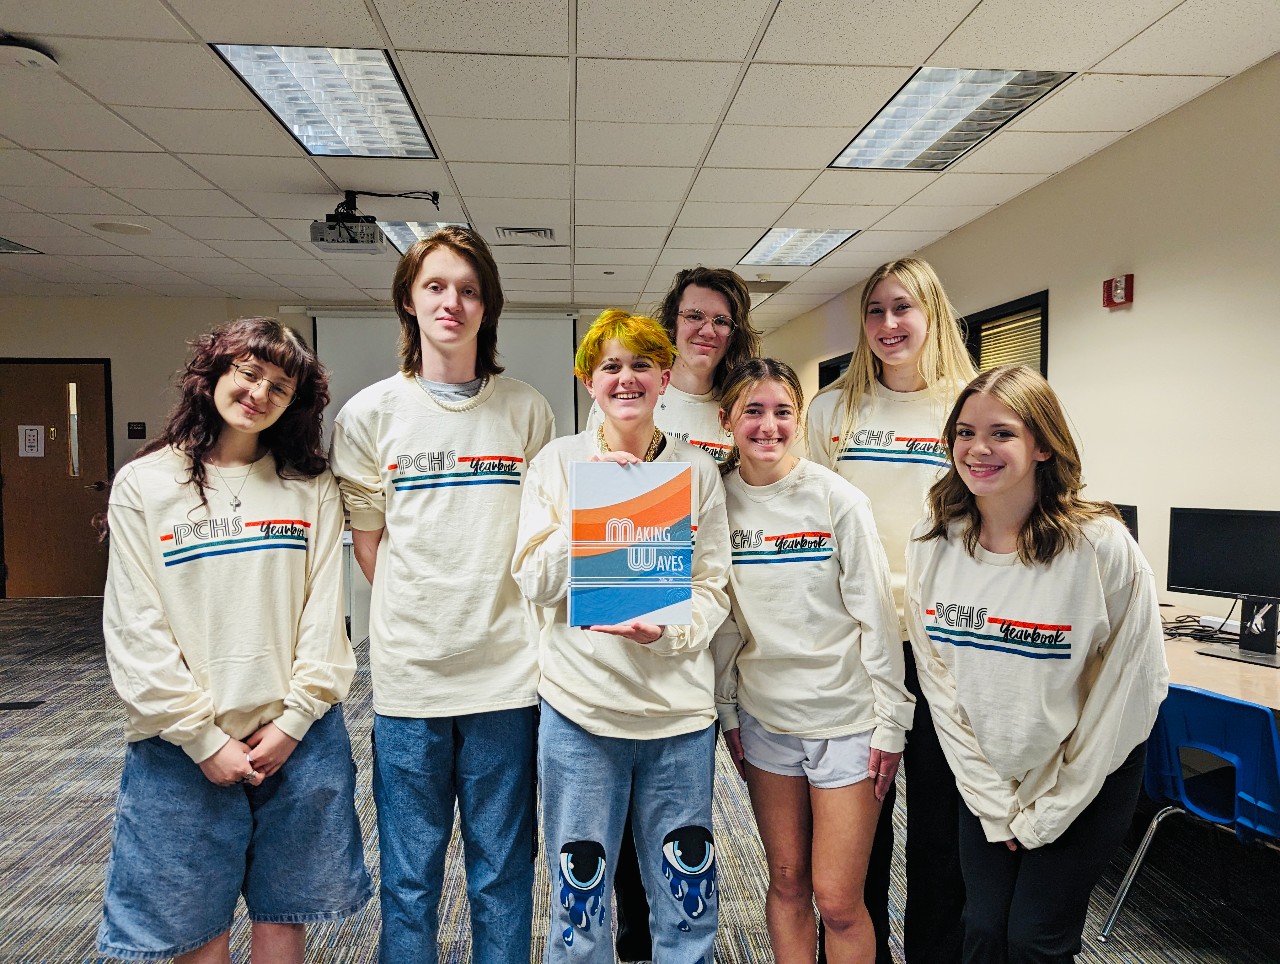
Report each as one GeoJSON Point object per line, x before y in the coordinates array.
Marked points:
{"type": "Point", "coordinates": [1202, 898]}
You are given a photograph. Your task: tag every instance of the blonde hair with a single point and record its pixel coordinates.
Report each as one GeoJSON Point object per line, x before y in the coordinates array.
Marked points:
{"type": "Point", "coordinates": [1059, 513]}
{"type": "Point", "coordinates": [742, 380]}
{"type": "Point", "coordinates": [638, 334]}
{"type": "Point", "coordinates": [943, 362]}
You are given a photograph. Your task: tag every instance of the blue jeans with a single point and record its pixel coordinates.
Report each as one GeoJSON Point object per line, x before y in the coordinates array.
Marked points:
{"type": "Point", "coordinates": [183, 849]}
{"type": "Point", "coordinates": [420, 766]}
{"type": "Point", "coordinates": [586, 782]}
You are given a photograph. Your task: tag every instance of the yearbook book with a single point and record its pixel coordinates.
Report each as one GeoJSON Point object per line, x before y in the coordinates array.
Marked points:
{"type": "Point", "coordinates": [631, 543]}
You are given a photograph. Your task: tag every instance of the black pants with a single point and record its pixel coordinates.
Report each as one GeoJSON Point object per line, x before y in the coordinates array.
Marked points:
{"type": "Point", "coordinates": [933, 930]}
{"type": "Point", "coordinates": [633, 940]}
{"type": "Point", "coordinates": [1029, 906]}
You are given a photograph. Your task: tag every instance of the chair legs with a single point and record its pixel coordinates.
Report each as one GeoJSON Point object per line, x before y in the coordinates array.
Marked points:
{"type": "Point", "coordinates": [1134, 866]}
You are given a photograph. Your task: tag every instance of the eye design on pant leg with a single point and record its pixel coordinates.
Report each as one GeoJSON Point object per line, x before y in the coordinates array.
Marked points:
{"type": "Point", "coordinates": [582, 885]}
{"type": "Point", "coordinates": [689, 864]}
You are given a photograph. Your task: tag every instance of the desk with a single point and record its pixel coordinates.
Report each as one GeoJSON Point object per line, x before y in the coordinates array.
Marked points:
{"type": "Point", "coordinates": [1256, 684]}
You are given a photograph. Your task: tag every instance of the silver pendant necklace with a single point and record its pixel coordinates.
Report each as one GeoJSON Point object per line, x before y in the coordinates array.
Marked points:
{"type": "Point", "coordinates": [235, 496]}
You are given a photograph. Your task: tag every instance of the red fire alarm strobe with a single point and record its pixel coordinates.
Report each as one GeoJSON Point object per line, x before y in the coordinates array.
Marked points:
{"type": "Point", "coordinates": [1117, 291]}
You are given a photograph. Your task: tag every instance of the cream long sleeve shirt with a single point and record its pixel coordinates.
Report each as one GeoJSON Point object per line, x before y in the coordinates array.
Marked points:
{"type": "Point", "coordinates": [1041, 679]}
{"type": "Point", "coordinates": [819, 655]}
{"type": "Point", "coordinates": [893, 453]}
{"type": "Point", "coordinates": [447, 629]}
{"type": "Point", "coordinates": [689, 418]}
{"type": "Point", "coordinates": [217, 622]}
{"type": "Point", "coordinates": [608, 685]}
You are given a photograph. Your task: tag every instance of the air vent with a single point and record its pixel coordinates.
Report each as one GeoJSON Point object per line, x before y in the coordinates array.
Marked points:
{"type": "Point", "coordinates": [524, 235]}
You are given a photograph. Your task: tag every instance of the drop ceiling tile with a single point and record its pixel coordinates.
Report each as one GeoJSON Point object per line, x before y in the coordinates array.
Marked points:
{"type": "Point", "coordinates": [540, 298]}
{"type": "Point", "coordinates": [718, 257]}
{"type": "Point", "coordinates": [846, 275]}
{"type": "Point", "coordinates": [294, 206]}
{"type": "Point", "coordinates": [844, 32]}
{"type": "Point", "coordinates": [525, 141]}
{"type": "Point", "coordinates": [1050, 35]}
{"type": "Point", "coordinates": [624, 275]}
{"type": "Point", "coordinates": [866, 187]}
{"type": "Point", "coordinates": [960, 188]}
{"type": "Point", "coordinates": [511, 180]}
{"type": "Point", "coordinates": [253, 132]}
{"type": "Point", "coordinates": [79, 126]}
{"type": "Point", "coordinates": [1111, 102]}
{"type": "Point", "coordinates": [344, 294]}
{"type": "Point", "coordinates": [1021, 152]}
{"type": "Point", "coordinates": [771, 272]}
{"type": "Point", "coordinates": [385, 174]}
{"type": "Point", "coordinates": [920, 217]}
{"type": "Point", "coordinates": [654, 92]}
{"type": "Point", "coordinates": [634, 257]}
{"type": "Point", "coordinates": [798, 95]}
{"type": "Point", "coordinates": [166, 247]}
{"type": "Point", "coordinates": [208, 269]}
{"type": "Point", "coordinates": [749, 145]}
{"type": "Point", "coordinates": [301, 266]}
{"type": "Point", "coordinates": [508, 254]}
{"type": "Point", "coordinates": [644, 213]}
{"type": "Point", "coordinates": [669, 28]}
{"type": "Point", "coordinates": [489, 26]}
{"type": "Point", "coordinates": [129, 169]}
{"type": "Point", "coordinates": [855, 217]}
{"type": "Point", "coordinates": [286, 174]}
{"type": "Point", "coordinates": [299, 282]}
{"type": "Point", "coordinates": [514, 273]}
{"type": "Point", "coordinates": [112, 289]}
{"type": "Point", "coordinates": [732, 184]}
{"type": "Point", "coordinates": [75, 243]}
{"type": "Point", "coordinates": [696, 239]}
{"type": "Point", "coordinates": [518, 212]}
{"type": "Point", "coordinates": [589, 236]}
{"type": "Point", "coordinates": [656, 145]}
{"type": "Point", "coordinates": [183, 289]}
{"type": "Point", "coordinates": [110, 264]}
{"type": "Point", "coordinates": [141, 19]}
{"type": "Point", "coordinates": [600, 183]}
{"type": "Point", "coordinates": [316, 23]}
{"type": "Point", "coordinates": [153, 74]}
{"type": "Point", "coordinates": [253, 250]}
{"type": "Point", "coordinates": [266, 292]}
{"type": "Point", "coordinates": [69, 200]}
{"type": "Point", "coordinates": [403, 209]}
{"type": "Point", "coordinates": [1202, 37]}
{"type": "Point", "coordinates": [535, 284]}
{"type": "Point", "coordinates": [474, 85]}
{"type": "Point", "coordinates": [21, 225]}
{"type": "Point", "coordinates": [51, 268]}
{"type": "Point", "coordinates": [27, 168]}
{"type": "Point", "coordinates": [757, 215]}
{"type": "Point", "coordinates": [891, 242]}
{"type": "Point", "coordinates": [225, 229]}
{"type": "Point", "coordinates": [210, 203]}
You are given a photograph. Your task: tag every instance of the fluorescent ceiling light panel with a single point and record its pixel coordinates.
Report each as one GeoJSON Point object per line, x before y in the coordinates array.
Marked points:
{"type": "Point", "coordinates": [795, 246]}
{"type": "Point", "coordinates": [404, 233]}
{"type": "Point", "coordinates": [13, 247]}
{"type": "Point", "coordinates": [335, 101]}
{"type": "Point", "coordinates": [941, 113]}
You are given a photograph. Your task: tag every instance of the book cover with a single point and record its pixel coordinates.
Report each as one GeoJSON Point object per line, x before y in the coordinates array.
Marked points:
{"type": "Point", "coordinates": [631, 543]}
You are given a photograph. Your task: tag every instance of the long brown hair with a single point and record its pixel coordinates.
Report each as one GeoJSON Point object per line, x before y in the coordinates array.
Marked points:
{"type": "Point", "coordinates": [744, 341]}
{"type": "Point", "coordinates": [466, 244]}
{"type": "Point", "coordinates": [743, 379]}
{"type": "Point", "coordinates": [1059, 514]}
{"type": "Point", "coordinates": [194, 424]}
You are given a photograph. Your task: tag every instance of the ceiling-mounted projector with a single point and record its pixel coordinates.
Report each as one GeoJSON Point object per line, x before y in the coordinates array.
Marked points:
{"type": "Point", "coordinates": [347, 231]}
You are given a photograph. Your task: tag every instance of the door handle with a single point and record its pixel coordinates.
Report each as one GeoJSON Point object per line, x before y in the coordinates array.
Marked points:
{"type": "Point", "coordinates": [97, 486]}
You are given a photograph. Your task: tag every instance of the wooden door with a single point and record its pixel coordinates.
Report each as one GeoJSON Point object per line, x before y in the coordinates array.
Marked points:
{"type": "Point", "coordinates": [54, 471]}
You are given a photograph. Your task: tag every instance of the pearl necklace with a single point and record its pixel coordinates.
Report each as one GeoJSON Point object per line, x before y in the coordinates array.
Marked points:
{"type": "Point", "coordinates": [651, 452]}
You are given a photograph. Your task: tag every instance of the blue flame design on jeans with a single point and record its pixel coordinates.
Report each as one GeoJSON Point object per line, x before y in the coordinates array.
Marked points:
{"type": "Point", "coordinates": [689, 864]}
{"type": "Point", "coordinates": [582, 885]}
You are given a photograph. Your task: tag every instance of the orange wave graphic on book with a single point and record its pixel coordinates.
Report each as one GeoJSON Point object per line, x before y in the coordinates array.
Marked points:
{"type": "Point", "coordinates": [664, 506]}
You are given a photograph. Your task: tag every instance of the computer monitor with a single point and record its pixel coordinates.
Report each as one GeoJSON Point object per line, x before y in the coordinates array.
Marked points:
{"type": "Point", "coordinates": [1129, 513]}
{"type": "Point", "coordinates": [1234, 553]}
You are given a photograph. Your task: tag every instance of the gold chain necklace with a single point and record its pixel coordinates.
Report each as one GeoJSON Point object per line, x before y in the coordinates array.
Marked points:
{"type": "Point", "coordinates": [651, 452]}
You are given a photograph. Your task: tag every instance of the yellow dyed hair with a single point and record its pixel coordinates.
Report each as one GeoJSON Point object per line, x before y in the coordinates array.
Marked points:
{"type": "Point", "coordinates": [638, 334]}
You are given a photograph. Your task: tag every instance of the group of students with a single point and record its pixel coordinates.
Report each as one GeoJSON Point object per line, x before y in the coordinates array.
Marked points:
{"type": "Point", "coordinates": [1030, 677]}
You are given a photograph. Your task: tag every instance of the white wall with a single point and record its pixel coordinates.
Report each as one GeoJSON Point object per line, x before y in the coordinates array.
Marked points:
{"type": "Point", "coordinates": [1176, 399]}
{"type": "Point", "coordinates": [145, 339]}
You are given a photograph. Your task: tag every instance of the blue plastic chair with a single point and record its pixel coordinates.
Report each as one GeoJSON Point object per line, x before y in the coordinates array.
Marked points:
{"type": "Point", "coordinates": [1243, 796]}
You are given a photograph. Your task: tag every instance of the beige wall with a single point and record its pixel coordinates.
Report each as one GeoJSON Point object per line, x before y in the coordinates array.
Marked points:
{"type": "Point", "coordinates": [145, 338]}
{"type": "Point", "coordinates": [1175, 399]}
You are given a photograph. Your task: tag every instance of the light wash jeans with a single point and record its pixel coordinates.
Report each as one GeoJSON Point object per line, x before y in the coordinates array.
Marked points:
{"type": "Point", "coordinates": [586, 783]}
{"type": "Point", "coordinates": [420, 766]}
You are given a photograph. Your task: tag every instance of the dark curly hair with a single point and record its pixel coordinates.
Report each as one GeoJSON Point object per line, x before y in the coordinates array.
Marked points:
{"type": "Point", "coordinates": [744, 340]}
{"type": "Point", "coordinates": [194, 424]}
